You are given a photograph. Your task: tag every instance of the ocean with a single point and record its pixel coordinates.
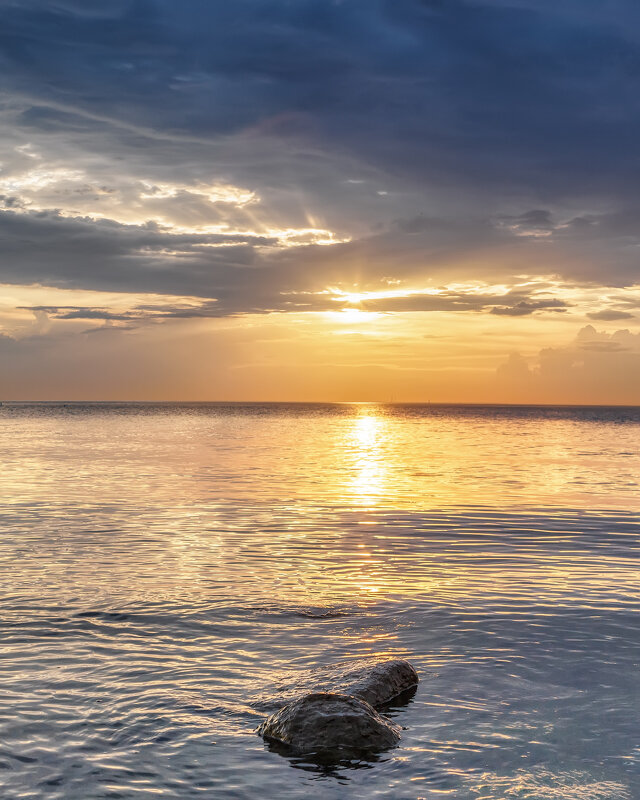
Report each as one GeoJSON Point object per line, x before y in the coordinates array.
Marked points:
{"type": "Point", "coordinates": [171, 574]}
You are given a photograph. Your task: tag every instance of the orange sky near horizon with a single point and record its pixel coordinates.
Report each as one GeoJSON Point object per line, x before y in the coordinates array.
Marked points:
{"type": "Point", "coordinates": [346, 355]}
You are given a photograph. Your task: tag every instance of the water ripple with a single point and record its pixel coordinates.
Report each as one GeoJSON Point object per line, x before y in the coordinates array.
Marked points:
{"type": "Point", "coordinates": [157, 599]}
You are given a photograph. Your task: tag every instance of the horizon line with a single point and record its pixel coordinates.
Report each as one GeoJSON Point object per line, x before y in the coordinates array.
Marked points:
{"type": "Point", "coordinates": [435, 403]}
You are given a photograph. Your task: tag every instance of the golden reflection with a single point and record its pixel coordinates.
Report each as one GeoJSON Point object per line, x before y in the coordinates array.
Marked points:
{"type": "Point", "coordinates": [327, 528]}
{"type": "Point", "coordinates": [365, 443]}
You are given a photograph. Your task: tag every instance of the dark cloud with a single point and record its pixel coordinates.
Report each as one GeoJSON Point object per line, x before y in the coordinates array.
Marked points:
{"type": "Point", "coordinates": [468, 137]}
{"type": "Point", "coordinates": [522, 94]}
{"type": "Point", "coordinates": [51, 250]}
{"type": "Point", "coordinates": [510, 304]}
{"type": "Point", "coordinates": [610, 315]}
{"type": "Point", "coordinates": [240, 273]}
{"type": "Point", "coordinates": [75, 312]}
{"type": "Point", "coordinates": [232, 274]}
{"type": "Point", "coordinates": [538, 220]}
{"type": "Point", "coordinates": [443, 301]}
{"type": "Point", "coordinates": [525, 307]}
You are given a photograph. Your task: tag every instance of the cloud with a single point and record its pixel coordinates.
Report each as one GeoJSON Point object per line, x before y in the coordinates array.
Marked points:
{"type": "Point", "coordinates": [479, 156]}
{"type": "Point", "coordinates": [609, 315]}
{"type": "Point", "coordinates": [413, 129]}
{"type": "Point", "coordinates": [417, 89]}
{"type": "Point", "coordinates": [525, 307]}
{"type": "Point", "coordinates": [537, 222]}
{"type": "Point", "coordinates": [597, 367]}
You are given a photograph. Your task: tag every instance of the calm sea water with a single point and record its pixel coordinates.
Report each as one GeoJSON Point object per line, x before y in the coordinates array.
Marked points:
{"type": "Point", "coordinates": [169, 574]}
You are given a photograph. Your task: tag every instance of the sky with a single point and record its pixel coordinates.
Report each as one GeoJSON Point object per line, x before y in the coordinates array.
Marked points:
{"type": "Point", "coordinates": [332, 200]}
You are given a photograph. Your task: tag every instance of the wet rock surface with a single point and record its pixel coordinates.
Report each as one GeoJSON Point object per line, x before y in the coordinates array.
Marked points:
{"type": "Point", "coordinates": [330, 724]}
{"type": "Point", "coordinates": [338, 717]}
{"type": "Point", "coordinates": [377, 682]}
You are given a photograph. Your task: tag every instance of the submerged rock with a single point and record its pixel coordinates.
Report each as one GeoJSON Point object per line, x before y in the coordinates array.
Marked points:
{"type": "Point", "coordinates": [332, 724]}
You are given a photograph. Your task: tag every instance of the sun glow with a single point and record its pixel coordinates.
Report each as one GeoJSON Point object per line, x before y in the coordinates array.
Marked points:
{"type": "Point", "coordinates": [76, 194]}
{"type": "Point", "coordinates": [355, 298]}
{"type": "Point", "coordinates": [214, 193]}
{"type": "Point", "coordinates": [352, 315]}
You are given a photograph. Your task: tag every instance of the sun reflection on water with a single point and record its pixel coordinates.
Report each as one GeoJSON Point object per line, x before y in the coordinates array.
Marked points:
{"type": "Point", "coordinates": [175, 575]}
{"type": "Point", "coordinates": [365, 443]}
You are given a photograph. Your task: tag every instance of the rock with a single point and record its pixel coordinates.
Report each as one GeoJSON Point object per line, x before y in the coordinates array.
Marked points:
{"type": "Point", "coordinates": [337, 718]}
{"type": "Point", "coordinates": [378, 683]}
{"type": "Point", "coordinates": [330, 724]}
